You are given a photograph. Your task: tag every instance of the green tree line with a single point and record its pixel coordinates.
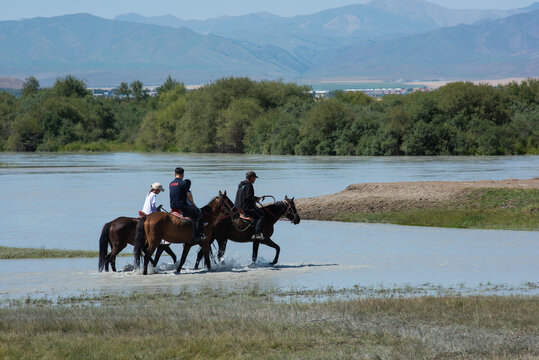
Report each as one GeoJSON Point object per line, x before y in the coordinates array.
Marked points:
{"type": "Point", "coordinates": [238, 115]}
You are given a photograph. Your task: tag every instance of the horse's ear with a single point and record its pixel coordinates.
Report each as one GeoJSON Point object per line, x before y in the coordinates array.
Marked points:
{"type": "Point", "coordinates": [286, 197]}
{"type": "Point", "coordinates": [220, 193]}
{"type": "Point", "coordinates": [293, 198]}
{"type": "Point", "coordinates": [225, 193]}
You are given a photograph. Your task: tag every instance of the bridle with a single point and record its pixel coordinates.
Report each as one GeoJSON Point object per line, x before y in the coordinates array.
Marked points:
{"type": "Point", "coordinates": [293, 212]}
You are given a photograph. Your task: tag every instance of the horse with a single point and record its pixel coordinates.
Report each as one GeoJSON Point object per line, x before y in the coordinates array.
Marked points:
{"type": "Point", "coordinates": [118, 233]}
{"type": "Point", "coordinates": [156, 226]}
{"type": "Point", "coordinates": [234, 228]}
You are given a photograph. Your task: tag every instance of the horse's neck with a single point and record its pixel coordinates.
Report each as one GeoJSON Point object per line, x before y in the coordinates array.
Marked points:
{"type": "Point", "coordinates": [276, 210]}
{"type": "Point", "coordinates": [208, 213]}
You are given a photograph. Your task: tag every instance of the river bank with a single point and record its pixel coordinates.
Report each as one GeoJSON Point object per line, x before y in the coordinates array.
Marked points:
{"type": "Point", "coordinates": [505, 204]}
{"type": "Point", "coordinates": [267, 324]}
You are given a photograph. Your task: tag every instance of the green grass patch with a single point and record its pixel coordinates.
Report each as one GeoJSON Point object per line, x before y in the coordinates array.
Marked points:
{"type": "Point", "coordinates": [218, 324]}
{"type": "Point", "coordinates": [508, 209]}
{"type": "Point", "coordinates": [453, 218]}
{"type": "Point", "coordinates": [42, 253]}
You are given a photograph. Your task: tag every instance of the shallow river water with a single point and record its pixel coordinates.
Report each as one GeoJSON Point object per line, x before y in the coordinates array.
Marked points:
{"type": "Point", "coordinates": [63, 200]}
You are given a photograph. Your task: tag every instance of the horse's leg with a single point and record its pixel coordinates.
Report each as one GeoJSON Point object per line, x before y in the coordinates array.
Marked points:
{"type": "Point", "coordinates": [199, 257]}
{"type": "Point", "coordinates": [148, 257]}
{"type": "Point", "coordinates": [277, 248]}
{"type": "Point", "coordinates": [160, 249]}
{"type": "Point", "coordinates": [111, 258]}
{"type": "Point", "coordinates": [107, 259]}
{"type": "Point", "coordinates": [186, 248]}
{"type": "Point", "coordinates": [169, 251]}
{"type": "Point", "coordinates": [256, 244]}
{"type": "Point", "coordinates": [205, 246]}
{"type": "Point", "coordinates": [222, 247]}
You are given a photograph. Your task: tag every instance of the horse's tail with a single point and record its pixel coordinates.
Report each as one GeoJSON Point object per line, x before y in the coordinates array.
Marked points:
{"type": "Point", "coordinates": [140, 240]}
{"type": "Point", "coordinates": [103, 245]}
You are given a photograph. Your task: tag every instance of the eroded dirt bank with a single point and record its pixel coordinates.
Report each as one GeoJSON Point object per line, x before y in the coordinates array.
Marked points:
{"type": "Point", "coordinates": [402, 196]}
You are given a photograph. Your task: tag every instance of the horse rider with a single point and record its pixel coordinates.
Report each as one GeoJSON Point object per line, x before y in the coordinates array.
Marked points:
{"type": "Point", "coordinates": [149, 203]}
{"type": "Point", "coordinates": [181, 199]}
{"type": "Point", "coordinates": [246, 203]}
{"type": "Point", "coordinates": [149, 207]}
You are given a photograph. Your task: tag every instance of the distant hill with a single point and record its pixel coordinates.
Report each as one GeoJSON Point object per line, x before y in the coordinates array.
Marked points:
{"type": "Point", "coordinates": [107, 52]}
{"type": "Point", "coordinates": [438, 16]}
{"type": "Point", "coordinates": [379, 40]}
{"type": "Point", "coordinates": [498, 48]}
{"type": "Point", "coordinates": [11, 83]}
{"type": "Point", "coordinates": [300, 35]}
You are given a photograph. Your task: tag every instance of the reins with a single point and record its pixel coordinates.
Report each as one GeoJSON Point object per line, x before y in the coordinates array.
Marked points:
{"type": "Point", "coordinates": [279, 218]}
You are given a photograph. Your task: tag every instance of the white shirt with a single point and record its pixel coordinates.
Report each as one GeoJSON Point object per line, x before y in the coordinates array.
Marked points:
{"type": "Point", "coordinates": [149, 204]}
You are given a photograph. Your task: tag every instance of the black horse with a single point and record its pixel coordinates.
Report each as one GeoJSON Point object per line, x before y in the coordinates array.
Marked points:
{"type": "Point", "coordinates": [236, 229]}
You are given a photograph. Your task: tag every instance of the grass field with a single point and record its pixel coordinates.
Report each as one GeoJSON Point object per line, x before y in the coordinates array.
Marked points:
{"type": "Point", "coordinates": [252, 324]}
{"type": "Point", "coordinates": [507, 209]}
{"type": "Point", "coordinates": [31, 253]}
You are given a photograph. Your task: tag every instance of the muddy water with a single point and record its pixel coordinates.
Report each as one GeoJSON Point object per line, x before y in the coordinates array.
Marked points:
{"type": "Point", "coordinates": [61, 201]}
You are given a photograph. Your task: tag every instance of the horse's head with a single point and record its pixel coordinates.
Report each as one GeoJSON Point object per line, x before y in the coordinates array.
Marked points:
{"type": "Point", "coordinates": [228, 205]}
{"type": "Point", "coordinates": [215, 206]}
{"type": "Point", "coordinates": [291, 212]}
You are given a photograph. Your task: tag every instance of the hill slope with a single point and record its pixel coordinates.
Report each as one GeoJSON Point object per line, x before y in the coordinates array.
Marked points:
{"type": "Point", "coordinates": [498, 48]}
{"type": "Point", "coordinates": [113, 51]}
{"type": "Point", "coordinates": [376, 20]}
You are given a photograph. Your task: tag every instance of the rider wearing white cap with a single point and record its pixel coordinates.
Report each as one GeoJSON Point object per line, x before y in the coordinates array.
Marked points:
{"type": "Point", "coordinates": [149, 203]}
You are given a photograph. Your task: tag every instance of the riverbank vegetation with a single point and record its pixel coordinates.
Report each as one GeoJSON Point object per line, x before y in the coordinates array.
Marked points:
{"type": "Point", "coordinates": [238, 115]}
{"type": "Point", "coordinates": [502, 209]}
{"type": "Point", "coordinates": [220, 324]}
{"type": "Point", "coordinates": [42, 253]}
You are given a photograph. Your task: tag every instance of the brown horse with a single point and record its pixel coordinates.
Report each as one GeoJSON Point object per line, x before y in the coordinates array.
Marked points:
{"type": "Point", "coordinates": [118, 233]}
{"type": "Point", "coordinates": [156, 226]}
{"type": "Point", "coordinates": [238, 230]}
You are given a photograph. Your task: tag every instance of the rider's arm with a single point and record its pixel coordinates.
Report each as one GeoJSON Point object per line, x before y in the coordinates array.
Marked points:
{"type": "Point", "coordinates": [190, 197]}
{"type": "Point", "coordinates": [251, 194]}
{"type": "Point", "coordinates": [152, 202]}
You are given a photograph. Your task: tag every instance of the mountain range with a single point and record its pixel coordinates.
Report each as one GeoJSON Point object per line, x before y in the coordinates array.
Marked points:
{"type": "Point", "coordinates": [383, 39]}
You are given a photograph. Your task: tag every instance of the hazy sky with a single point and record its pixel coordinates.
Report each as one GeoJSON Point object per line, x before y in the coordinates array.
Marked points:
{"type": "Point", "coordinates": [203, 9]}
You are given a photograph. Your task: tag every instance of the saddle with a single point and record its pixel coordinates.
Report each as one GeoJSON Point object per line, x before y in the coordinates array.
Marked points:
{"type": "Point", "coordinates": [180, 216]}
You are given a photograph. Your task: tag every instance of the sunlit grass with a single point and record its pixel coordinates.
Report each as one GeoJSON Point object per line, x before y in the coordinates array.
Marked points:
{"type": "Point", "coordinates": [510, 209]}
{"type": "Point", "coordinates": [252, 324]}
{"type": "Point", "coordinates": [42, 253]}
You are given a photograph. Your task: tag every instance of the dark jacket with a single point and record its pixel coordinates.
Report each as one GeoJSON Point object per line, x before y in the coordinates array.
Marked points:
{"type": "Point", "coordinates": [245, 196]}
{"type": "Point", "coordinates": [178, 194]}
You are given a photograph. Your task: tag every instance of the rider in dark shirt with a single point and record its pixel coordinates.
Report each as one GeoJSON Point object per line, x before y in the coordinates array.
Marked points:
{"type": "Point", "coordinates": [246, 203]}
{"type": "Point", "coordinates": [182, 200]}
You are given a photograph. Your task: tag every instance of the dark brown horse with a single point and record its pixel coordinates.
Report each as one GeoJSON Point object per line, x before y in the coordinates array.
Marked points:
{"type": "Point", "coordinates": [156, 226]}
{"type": "Point", "coordinates": [118, 233]}
{"type": "Point", "coordinates": [234, 228]}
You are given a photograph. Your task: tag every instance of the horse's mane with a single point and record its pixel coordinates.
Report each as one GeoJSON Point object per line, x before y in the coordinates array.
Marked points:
{"type": "Point", "coordinates": [276, 205]}
{"type": "Point", "coordinates": [207, 206]}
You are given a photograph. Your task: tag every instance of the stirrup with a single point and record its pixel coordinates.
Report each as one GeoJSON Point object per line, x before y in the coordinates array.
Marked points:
{"type": "Point", "coordinates": [257, 237]}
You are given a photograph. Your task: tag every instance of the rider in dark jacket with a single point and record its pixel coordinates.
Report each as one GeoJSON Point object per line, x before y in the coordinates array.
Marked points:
{"type": "Point", "coordinates": [246, 203]}
{"type": "Point", "coordinates": [181, 199]}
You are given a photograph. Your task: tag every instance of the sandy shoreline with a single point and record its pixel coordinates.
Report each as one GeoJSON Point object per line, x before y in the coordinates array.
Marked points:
{"type": "Point", "coordinates": [402, 196]}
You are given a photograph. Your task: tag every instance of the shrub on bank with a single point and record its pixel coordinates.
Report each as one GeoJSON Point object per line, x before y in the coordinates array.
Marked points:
{"type": "Point", "coordinates": [238, 115]}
